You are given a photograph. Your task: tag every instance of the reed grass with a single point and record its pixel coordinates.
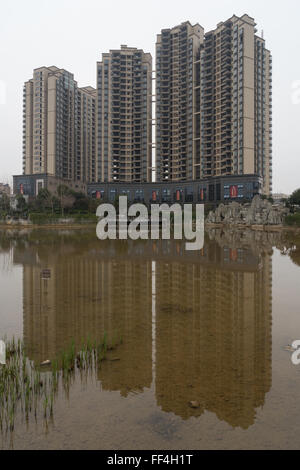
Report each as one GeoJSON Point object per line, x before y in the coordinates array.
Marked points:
{"type": "Point", "coordinates": [30, 390]}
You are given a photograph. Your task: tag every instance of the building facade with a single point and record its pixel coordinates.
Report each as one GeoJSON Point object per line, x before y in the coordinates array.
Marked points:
{"type": "Point", "coordinates": [177, 50]}
{"type": "Point", "coordinates": [5, 189]}
{"type": "Point", "coordinates": [210, 190]}
{"type": "Point", "coordinates": [124, 116]}
{"type": "Point", "coordinates": [214, 102]}
{"type": "Point", "coordinates": [58, 126]}
{"type": "Point", "coordinates": [235, 99]}
{"type": "Point", "coordinates": [86, 141]}
{"type": "Point", "coordinates": [213, 190]}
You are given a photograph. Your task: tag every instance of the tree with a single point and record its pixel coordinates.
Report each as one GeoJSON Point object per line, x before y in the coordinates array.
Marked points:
{"type": "Point", "coordinates": [295, 198]}
{"type": "Point", "coordinates": [4, 203]}
{"type": "Point", "coordinates": [45, 200]}
{"type": "Point", "coordinates": [81, 202]}
{"type": "Point", "coordinates": [21, 203]}
{"type": "Point", "coordinates": [65, 196]}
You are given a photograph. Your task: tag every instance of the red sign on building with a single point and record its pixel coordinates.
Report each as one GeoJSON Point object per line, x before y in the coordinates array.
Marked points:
{"type": "Point", "coordinates": [233, 255]}
{"type": "Point", "coordinates": [233, 191]}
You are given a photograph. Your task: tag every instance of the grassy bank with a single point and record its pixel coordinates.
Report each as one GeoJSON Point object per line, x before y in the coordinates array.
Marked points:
{"type": "Point", "coordinates": [48, 219]}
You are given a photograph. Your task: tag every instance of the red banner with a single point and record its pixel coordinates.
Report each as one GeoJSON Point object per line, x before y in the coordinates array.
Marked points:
{"type": "Point", "coordinates": [233, 191]}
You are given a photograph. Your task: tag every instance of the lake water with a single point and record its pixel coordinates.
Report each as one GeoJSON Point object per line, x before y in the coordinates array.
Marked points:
{"type": "Point", "coordinates": [209, 326]}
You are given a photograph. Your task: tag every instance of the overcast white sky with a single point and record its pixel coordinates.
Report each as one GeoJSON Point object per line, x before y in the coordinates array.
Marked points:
{"type": "Point", "coordinates": [72, 34]}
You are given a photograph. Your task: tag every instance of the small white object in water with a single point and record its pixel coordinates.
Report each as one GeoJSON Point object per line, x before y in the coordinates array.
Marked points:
{"type": "Point", "coordinates": [194, 404]}
{"type": "Point", "coordinates": [2, 353]}
{"type": "Point", "coordinates": [46, 363]}
{"type": "Point", "coordinates": [289, 348]}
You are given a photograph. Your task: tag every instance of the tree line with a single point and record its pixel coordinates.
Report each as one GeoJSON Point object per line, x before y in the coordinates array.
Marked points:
{"type": "Point", "coordinates": [63, 202]}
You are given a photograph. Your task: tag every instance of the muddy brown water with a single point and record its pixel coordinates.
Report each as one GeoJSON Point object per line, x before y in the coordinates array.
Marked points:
{"type": "Point", "coordinates": [209, 327]}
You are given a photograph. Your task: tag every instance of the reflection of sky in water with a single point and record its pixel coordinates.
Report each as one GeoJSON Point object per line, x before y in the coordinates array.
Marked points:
{"type": "Point", "coordinates": [11, 310]}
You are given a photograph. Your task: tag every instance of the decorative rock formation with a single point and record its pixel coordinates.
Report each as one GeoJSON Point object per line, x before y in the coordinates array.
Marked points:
{"type": "Point", "coordinates": [14, 221]}
{"type": "Point", "coordinates": [260, 212]}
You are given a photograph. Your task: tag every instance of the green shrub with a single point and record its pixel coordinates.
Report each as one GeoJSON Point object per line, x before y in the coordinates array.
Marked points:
{"type": "Point", "coordinates": [293, 220]}
{"type": "Point", "coordinates": [295, 197]}
{"type": "Point", "coordinates": [42, 218]}
{"type": "Point", "coordinates": [84, 217]}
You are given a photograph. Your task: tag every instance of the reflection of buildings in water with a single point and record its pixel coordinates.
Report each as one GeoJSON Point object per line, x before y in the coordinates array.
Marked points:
{"type": "Point", "coordinates": [128, 292]}
{"type": "Point", "coordinates": [213, 340]}
{"type": "Point", "coordinates": [211, 335]}
{"type": "Point", "coordinates": [69, 297]}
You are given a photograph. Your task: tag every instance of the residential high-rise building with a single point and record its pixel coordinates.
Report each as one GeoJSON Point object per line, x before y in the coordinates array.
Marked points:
{"type": "Point", "coordinates": [58, 126]}
{"type": "Point", "coordinates": [214, 102]}
{"type": "Point", "coordinates": [124, 110]}
{"type": "Point", "coordinates": [86, 141]}
{"type": "Point", "coordinates": [177, 50]}
{"type": "Point", "coordinates": [263, 114]}
{"type": "Point", "coordinates": [235, 100]}
{"type": "Point", "coordinates": [213, 115]}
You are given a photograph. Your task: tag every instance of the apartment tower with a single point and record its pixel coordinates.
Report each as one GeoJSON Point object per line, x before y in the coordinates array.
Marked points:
{"type": "Point", "coordinates": [58, 126]}
{"type": "Point", "coordinates": [214, 102]}
{"type": "Point", "coordinates": [213, 112]}
{"type": "Point", "coordinates": [177, 50]}
{"type": "Point", "coordinates": [235, 101]}
{"type": "Point", "coordinates": [124, 116]}
{"type": "Point", "coordinates": [86, 162]}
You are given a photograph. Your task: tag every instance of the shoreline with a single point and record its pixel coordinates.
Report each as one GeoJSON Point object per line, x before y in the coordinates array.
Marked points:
{"type": "Point", "coordinates": [256, 228]}
{"type": "Point", "coordinates": [46, 226]}
{"type": "Point", "coordinates": [92, 225]}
